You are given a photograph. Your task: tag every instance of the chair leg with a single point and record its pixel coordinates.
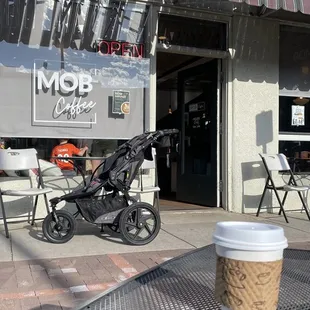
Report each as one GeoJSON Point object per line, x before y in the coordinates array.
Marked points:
{"type": "Point", "coordinates": [283, 202]}
{"type": "Point", "coordinates": [261, 200]}
{"type": "Point", "coordinates": [281, 205]}
{"type": "Point", "coordinates": [157, 201]}
{"type": "Point", "coordinates": [46, 204]}
{"type": "Point", "coordinates": [4, 217]}
{"type": "Point", "coordinates": [34, 210]}
{"type": "Point", "coordinates": [304, 204]}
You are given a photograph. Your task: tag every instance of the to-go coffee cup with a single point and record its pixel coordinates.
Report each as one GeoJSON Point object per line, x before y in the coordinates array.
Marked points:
{"type": "Point", "coordinates": [249, 265]}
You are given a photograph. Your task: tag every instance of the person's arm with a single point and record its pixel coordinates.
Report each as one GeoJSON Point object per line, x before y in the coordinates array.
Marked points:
{"type": "Point", "coordinates": [53, 155]}
{"type": "Point", "coordinates": [80, 152]}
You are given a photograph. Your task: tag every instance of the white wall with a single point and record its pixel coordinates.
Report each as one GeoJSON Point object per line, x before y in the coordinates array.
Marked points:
{"type": "Point", "coordinates": [254, 108]}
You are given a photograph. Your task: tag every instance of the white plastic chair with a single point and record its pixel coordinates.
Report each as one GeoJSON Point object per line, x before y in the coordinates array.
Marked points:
{"type": "Point", "coordinates": [148, 165]}
{"type": "Point", "coordinates": [25, 159]}
{"type": "Point", "coordinates": [279, 163]}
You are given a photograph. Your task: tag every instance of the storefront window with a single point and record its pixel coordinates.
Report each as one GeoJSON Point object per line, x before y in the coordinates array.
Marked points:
{"type": "Point", "coordinates": [96, 148]}
{"type": "Point", "coordinates": [298, 154]}
{"type": "Point", "coordinates": [75, 69]}
{"type": "Point", "coordinates": [294, 103]}
{"type": "Point", "coordinates": [294, 63]}
{"type": "Point", "coordinates": [294, 117]}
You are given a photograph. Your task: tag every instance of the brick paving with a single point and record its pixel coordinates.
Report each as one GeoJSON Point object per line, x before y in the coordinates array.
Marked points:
{"type": "Point", "coordinates": [64, 283]}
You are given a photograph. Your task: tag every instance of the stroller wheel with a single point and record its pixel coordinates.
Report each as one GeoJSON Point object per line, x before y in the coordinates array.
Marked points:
{"type": "Point", "coordinates": [139, 223]}
{"type": "Point", "coordinates": [115, 226]}
{"type": "Point", "coordinates": [61, 232]}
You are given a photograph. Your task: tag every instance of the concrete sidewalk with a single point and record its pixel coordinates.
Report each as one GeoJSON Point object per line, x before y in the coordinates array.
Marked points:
{"type": "Point", "coordinates": [180, 230]}
{"type": "Point", "coordinates": [35, 274]}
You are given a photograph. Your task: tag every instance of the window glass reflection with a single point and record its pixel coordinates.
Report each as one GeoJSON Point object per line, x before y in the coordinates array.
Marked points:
{"type": "Point", "coordinates": [73, 31]}
{"type": "Point", "coordinates": [96, 148]}
{"type": "Point", "coordinates": [71, 23]}
{"type": "Point", "coordinates": [298, 154]}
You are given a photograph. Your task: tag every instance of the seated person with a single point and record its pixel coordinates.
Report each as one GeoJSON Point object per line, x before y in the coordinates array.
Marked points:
{"type": "Point", "coordinates": [65, 149]}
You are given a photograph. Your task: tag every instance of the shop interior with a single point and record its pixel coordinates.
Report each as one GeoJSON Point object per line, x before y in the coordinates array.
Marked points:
{"type": "Point", "coordinates": [186, 102]}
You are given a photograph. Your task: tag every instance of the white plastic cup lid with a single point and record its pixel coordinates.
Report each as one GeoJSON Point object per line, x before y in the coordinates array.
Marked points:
{"type": "Point", "coordinates": [249, 236]}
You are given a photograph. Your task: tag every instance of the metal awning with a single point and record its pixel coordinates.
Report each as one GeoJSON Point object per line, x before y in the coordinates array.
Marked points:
{"type": "Point", "coordinates": [302, 6]}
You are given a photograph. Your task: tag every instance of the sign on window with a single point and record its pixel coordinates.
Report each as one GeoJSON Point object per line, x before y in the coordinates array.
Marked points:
{"type": "Point", "coordinates": [121, 102]}
{"type": "Point", "coordinates": [298, 115]}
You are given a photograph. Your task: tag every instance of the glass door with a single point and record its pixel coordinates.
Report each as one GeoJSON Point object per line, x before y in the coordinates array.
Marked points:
{"type": "Point", "coordinates": [197, 167]}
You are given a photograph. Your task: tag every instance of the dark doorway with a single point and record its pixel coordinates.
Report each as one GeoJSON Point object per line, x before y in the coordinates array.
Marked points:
{"type": "Point", "coordinates": [197, 163]}
{"type": "Point", "coordinates": [191, 106]}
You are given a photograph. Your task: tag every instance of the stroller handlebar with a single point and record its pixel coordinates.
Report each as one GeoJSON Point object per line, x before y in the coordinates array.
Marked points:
{"type": "Point", "coordinates": [167, 132]}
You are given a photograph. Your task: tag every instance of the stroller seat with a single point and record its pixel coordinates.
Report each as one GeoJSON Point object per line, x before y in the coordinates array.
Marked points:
{"type": "Point", "coordinates": [87, 191]}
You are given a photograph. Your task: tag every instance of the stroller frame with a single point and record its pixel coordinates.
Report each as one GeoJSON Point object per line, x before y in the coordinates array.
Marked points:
{"type": "Point", "coordinates": [115, 209]}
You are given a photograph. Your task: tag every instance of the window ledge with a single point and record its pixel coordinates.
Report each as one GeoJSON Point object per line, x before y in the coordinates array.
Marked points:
{"type": "Point", "coordinates": [302, 136]}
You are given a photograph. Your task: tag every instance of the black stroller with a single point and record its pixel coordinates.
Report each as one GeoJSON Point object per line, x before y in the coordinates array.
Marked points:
{"type": "Point", "coordinates": [137, 222]}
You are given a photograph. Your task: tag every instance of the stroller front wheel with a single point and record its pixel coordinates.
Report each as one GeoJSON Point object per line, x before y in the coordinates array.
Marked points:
{"type": "Point", "coordinates": [139, 223]}
{"type": "Point", "coordinates": [61, 232]}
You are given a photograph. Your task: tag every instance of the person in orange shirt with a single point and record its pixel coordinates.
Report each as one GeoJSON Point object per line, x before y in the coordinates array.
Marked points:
{"type": "Point", "coordinates": [63, 150]}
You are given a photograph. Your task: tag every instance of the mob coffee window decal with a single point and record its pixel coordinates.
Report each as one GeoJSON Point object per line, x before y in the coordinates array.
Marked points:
{"type": "Point", "coordinates": [62, 97]}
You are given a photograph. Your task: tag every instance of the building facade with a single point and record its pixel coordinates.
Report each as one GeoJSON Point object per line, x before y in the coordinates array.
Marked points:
{"type": "Point", "coordinates": [68, 69]}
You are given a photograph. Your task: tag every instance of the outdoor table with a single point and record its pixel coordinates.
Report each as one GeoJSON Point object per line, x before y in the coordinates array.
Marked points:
{"type": "Point", "coordinates": [187, 283]}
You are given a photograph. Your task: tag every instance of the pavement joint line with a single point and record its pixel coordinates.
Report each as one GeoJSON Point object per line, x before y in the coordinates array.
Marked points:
{"type": "Point", "coordinates": [171, 234]}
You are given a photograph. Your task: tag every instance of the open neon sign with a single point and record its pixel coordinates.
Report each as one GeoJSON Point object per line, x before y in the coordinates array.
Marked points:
{"type": "Point", "coordinates": [120, 48]}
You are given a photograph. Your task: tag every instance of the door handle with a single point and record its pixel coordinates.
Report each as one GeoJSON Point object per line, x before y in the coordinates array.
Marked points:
{"type": "Point", "coordinates": [177, 147]}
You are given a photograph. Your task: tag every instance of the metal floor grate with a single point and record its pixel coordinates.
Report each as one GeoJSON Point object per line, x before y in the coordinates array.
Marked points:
{"type": "Point", "coordinates": [187, 283]}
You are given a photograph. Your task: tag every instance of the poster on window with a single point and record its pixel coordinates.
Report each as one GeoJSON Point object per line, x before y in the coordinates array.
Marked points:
{"type": "Point", "coordinates": [121, 103]}
{"type": "Point", "coordinates": [298, 115]}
